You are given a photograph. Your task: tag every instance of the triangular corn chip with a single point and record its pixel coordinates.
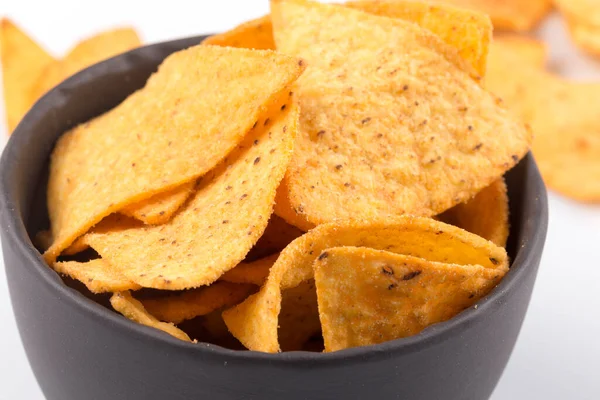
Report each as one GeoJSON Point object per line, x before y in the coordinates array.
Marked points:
{"type": "Point", "coordinates": [255, 34]}
{"type": "Point", "coordinates": [132, 309]}
{"type": "Point", "coordinates": [371, 296]}
{"type": "Point", "coordinates": [254, 322]}
{"type": "Point", "coordinates": [511, 15]}
{"type": "Point", "coordinates": [23, 61]}
{"type": "Point", "coordinates": [485, 215]}
{"type": "Point", "coordinates": [218, 225]}
{"type": "Point", "coordinates": [161, 207]}
{"type": "Point", "coordinates": [179, 307]}
{"type": "Point", "coordinates": [97, 275]}
{"type": "Point", "coordinates": [211, 96]}
{"type": "Point", "coordinates": [374, 85]}
{"type": "Point", "coordinates": [583, 21]}
{"type": "Point", "coordinates": [254, 272]}
{"type": "Point", "coordinates": [90, 51]}
{"type": "Point", "coordinates": [470, 32]}
{"type": "Point", "coordinates": [562, 114]}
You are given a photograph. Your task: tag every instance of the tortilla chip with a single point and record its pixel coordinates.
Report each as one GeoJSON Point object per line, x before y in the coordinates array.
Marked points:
{"type": "Point", "coordinates": [97, 275]}
{"type": "Point", "coordinates": [519, 88]}
{"type": "Point", "coordinates": [585, 35]}
{"type": "Point", "coordinates": [521, 49]}
{"type": "Point", "coordinates": [160, 208]}
{"type": "Point", "coordinates": [255, 34]}
{"type": "Point", "coordinates": [132, 309]}
{"type": "Point", "coordinates": [299, 316]}
{"type": "Point", "coordinates": [583, 21]}
{"type": "Point", "coordinates": [393, 85]}
{"type": "Point", "coordinates": [255, 272]}
{"type": "Point", "coordinates": [254, 322]}
{"type": "Point", "coordinates": [485, 215]}
{"type": "Point", "coordinates": [91, 177]}
{"type": "Point", "coordinates": [371, 296]}
{"type": "Point", "coordinates": [86, 53]}
{"type": "Point", "coordinates": [77, 246]}
{"type": "Point", "coordinates": [470, 32]}
{"type": "Point", "coordinates": [567, 145]}
{"type": "Point", "coordinates": [285, 210]}
{"type": "Point", "coordinates": [276, 236]}
{"type": "Point", "coordinates": [563, 116]}
{"type": "Point", "coordinates": [510, 15]}
{"type": "Point", "coordinates": [221, 222]}
{"type": "Point", "coordinates": [186, 305]}
{"type": "Point", "coordinates": [23, 61]}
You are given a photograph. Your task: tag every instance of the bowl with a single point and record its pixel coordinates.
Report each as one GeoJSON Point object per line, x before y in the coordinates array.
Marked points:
{"type": "Point", "coordinates": [79, 349]}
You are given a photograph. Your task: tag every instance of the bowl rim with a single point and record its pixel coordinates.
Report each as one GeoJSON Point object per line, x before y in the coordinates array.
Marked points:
{"type": "Point", "coordinates": [15, 232]}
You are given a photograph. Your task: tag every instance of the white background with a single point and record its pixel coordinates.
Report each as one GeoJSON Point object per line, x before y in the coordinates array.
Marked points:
{"type": "Point", "coordinates": [558, 353]}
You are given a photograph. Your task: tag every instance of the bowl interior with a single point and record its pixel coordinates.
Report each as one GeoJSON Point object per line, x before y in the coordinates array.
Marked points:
{"type": "Point", "coordinates": [24, 174]}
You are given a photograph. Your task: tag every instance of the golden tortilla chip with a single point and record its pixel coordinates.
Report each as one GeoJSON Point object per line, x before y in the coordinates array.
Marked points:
{"type": "Point", "coordinates": [212, 96]}
{"type": "Point", "coordinates": [221, 222]}
{"type": "Point", "coordinates": [276, 236]}
{"type": "Point", "coordinates": [567, 144]}
{"type": "Point", "coordinates": [510, 15]}
{"type": "Point", "coordinates": [254, 272]}
{"type": "Point", "coordinates": [86, 53]}
{"type": "Point", "coordinates": [563, 116]}
{"type": "Point", "coordinates": [23, 61]}
{"type": "Point", "coordinates": [517, 86]}
{"type": "Point", "coordinates": [299, 316]}
{"type": "Point", "coordinates": [77, 246]}
{"type": "Point", "coordinates": [470, 32]}
{"type": "Point", "coordinates": [585, 35]}
{"type": "Point", "coordinates": [371, 296]}
{"type": "Point", "coordinates": [583, 20]}
{"type": "Point", "coordinates": [485, 215]}
{"type": "Point", "coordinates": [255, 34]}
{"type": "Point", "coordinates": [392, 86]}
{"type": "Point", "coordinates": [285, 210]}
{"type": "Point", "coordinates": [254, 322]}
{"type": "Point", "coordinates": [186, 305]}
{"type": "Point", "coordinates": [132, 309]}
{"type": "Point", "coordinates": [521, 49]}
{"type": "Point", "coordinates": [97, 275]}
{"type": "Point", "coordinates": [160, 208]}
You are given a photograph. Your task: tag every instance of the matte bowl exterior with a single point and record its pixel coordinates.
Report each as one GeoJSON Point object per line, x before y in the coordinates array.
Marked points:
{"type": "Point", "coordinates": [80, 350]}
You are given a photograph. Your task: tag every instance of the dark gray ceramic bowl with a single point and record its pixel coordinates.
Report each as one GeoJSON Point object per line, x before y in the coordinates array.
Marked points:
{"type": "Point", "coordinates": [80, 350]}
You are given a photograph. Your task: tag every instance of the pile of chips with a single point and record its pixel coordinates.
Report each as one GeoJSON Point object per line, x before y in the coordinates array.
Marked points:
{"type": "Point", "coordinates": [325, 177]}
{"type": "Point", "coordinates": [561, 113]}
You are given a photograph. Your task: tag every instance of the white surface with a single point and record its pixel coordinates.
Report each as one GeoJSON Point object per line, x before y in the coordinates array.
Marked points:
{"type": "Point", "coordinates": [557, 356]}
